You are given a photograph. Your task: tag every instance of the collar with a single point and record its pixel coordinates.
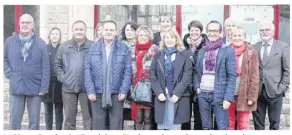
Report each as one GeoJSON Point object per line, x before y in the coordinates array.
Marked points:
{"type": "Point", "coordinates": [270, 43]}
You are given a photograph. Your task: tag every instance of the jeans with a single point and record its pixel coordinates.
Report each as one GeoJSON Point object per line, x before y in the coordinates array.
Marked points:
{"type": "Point", "coordinates": [206, 105]}
{"type": "Point", "coordinates": [58, 115]}
{"type": "Point", "coordinates": [17, 107]}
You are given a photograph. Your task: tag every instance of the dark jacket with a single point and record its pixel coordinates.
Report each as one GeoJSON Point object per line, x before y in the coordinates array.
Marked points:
{"type": "Point", "coordinates": [225, 73]}
{"type": "Point", "coordinates": [194, 57]}
{"type": "Point", "coordinates": [69, 63]}
{"type": "Point", "coordinates": [32, 76]}
{"type": "Point", "coordinates": [156, 39]}
{"type": "Point", "coordinates": [182, 77]}
{"type": "Point", "coordinates": [121, 69]}
{"type": "Point", "coordinates": [55, 88]}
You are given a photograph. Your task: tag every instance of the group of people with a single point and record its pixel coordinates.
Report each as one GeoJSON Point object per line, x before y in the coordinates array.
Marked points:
{"type": "Point", "coordinates": [219, 79]}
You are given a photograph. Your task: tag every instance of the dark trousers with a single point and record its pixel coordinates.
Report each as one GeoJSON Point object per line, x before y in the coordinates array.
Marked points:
{"type": "Point", "coordinates": [115, 114]}
{"type": "Point", "coordinates": [274, 106]}
{"type": "Point", "coordinates": [144, 120]}
{"type": "Point", "coordinates": [206, 105]}
{"type": "Point", "coordinates": [70, 102]}
{"type": "Point", "coordinates": [49, 107]}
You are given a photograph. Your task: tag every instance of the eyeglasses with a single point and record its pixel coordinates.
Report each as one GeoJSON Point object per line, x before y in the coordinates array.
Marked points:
{"type": "Point", "coordinates": [26, 22]}
{"type": "Point", "coordinates": [266, 30]}
{"type": "Point", "coordinates": [214, 31]}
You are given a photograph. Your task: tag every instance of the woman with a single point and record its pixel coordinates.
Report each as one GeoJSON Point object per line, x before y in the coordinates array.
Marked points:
{"type": "Point", "coordinates": [142, 55]}
{"type": "Point", "coordinates": [98, 32]}
{"type": "Point", "coordinates": [54, 96]}
{"type": "Point", "coordinates": [170, 75]}
{"type": "Point", "coordinates": [128, 37]}
{"type": "Point", "coordinates": [165, 20]}
{"type": "Point", "coordinates": [247, 82]}
{"type": "Point", "coordinates": [194, 41]}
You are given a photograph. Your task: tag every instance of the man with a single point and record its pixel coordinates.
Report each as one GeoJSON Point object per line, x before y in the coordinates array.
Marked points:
{"type": "Point", "coordinates": [68, 66]}
{"type": "Point", "coordinates": [26, 65]}
{"type": "Point", "coordinates": [215, 78]}
{"type": "Point", "coordinates": [107, 78]}
{"type": "Point", "coordinates": [229, 24]}
{"type": "Point", "coordinates": [274, 57]}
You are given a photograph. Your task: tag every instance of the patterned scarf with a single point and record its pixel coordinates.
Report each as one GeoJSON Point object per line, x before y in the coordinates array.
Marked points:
{"type": "Point", "coordinates": [26, 43]}
{"type": "Point", "coordinates": [239, 50]}
{"type": "Point", "coordinates": [168, 53]}
{"type": "Point", "coordinates": [196, 44]}
{"type": "Point", "coordinates": [210, 55]}
{"type": "Point", "coordinates": [140, 51]}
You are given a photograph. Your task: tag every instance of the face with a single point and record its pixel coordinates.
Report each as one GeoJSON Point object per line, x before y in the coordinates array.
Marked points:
{"type": "Point", "coordinates": [266, 32]}
{"type": "Point", "coordinates": [26, 24]}
{"type": "Point", "coordinates": [143, 37]}
{"type": "Point", "coordinates": [169, 40]}
{"type": "Point", "coordinates": [238, 38]}
{"type": "Point", "coordinates": [129, 32]}
{"type": "Point", "coordinates": [79, 31]}
{"type": "Point", "coordinates": [109, 31]}
{"type": "Point", "coordinates": [213, 31]}
{"type": "Point", "coordinates": [55, 36]}
{"type": "Point", "coordinates": [229, 25]}
{"type": "Point", "coordinates": [165, 23]}
{"type": "Point", "coordinates": [195, 33]}
{"type": "Point", "coordinates": [99, 32]}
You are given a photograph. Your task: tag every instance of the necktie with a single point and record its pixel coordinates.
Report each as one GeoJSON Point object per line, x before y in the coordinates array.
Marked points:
{"type": "Point", "coordinates": [265, 53]}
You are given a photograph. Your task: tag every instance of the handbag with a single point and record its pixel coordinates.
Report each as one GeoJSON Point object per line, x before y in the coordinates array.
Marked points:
{"type": "Point", "coordinates": [142, 93]}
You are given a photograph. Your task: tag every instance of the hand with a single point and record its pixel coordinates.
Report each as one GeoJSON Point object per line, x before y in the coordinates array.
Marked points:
{"type": "Point", "coordinates": [161, 97]}
{"type": "Point", "coordinates": [198, 91]}
{"type": "Point", "coordinates": [174, 99]}
{"type": "Point", "coordinates": [41, 93]}
{"type": "Point", "coordinates": [249, 102]}
{"type": "Point", "coordinates": [121, 97]}
{"type": "Point", "coordinates": [92, 97]}
{"type": "Point", "coordinates": [226, 104]}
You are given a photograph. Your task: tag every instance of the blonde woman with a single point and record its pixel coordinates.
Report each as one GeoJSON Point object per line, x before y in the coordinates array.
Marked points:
{"type": "Point", "coordinates": [142, 56]}
{"type": "Point", "coordinates": [170, 75]}
{"type": "Point", "coordinates": [98, 32]}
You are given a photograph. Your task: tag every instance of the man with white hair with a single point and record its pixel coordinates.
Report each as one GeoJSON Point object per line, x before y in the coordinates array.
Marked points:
{"type": "Point", "coordinates": [274, 57]}
{"type": "Point", "coordinates": [26, 65]}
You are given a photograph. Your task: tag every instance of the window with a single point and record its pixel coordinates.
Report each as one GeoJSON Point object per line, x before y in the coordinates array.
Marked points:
{"type": "Point", "coordinates": [284, 24]}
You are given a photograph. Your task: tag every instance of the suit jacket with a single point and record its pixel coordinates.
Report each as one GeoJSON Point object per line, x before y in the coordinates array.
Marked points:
{"type": "Point", "coordinates": [182, 79]}
{"type": "Point", "coordinates": [225, 73]}
{"type": "Point", "coordinates": [275, 72]}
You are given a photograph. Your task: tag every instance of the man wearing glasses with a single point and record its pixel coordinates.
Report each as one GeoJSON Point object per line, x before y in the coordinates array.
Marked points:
{"type": "Point", "coordinates": [215, 79]}
{"type": "Point", "coordinates": [274, 57]}
{"type": "Point", "coordinates": [26, 65]}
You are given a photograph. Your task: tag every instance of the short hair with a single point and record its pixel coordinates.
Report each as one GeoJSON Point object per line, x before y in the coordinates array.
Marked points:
{"type": "Point", "coordinates": [79, 21]}
{"type": "Point", "coordinates": [147, 30]}
{"type": "Point", "coordinates": [55, 28]}
{"type": "Point", "coordinates": [132, 24]}
{"type": "Point", "coordinates": [213, 21]}
{"type": "Point", "coordinates": [195, 23]}
{"type": "Point", "coordinates": [179, 45]}
{"type": "Point", "coordinates": [110, 21]}
{"type": "Point", "coordinates": [272, 25]}
{"type": "Point", "coordinates": [168, 15]}
{"type": "Point", "coordinates": [238, 29]}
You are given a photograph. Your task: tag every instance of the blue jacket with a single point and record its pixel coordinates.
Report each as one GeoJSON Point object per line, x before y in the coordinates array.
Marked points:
{"type": "Point", "coordinates": [121, 69]}
{"type": "Point", "coordinates": [32, 76]}
{"type": "Point", "coordinates": [225, 73]}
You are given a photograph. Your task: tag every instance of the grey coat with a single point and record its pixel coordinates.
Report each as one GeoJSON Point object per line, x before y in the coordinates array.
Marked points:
{"type": "Point", "coordinates": [182, 77]}
{"type": "Point", "coordinates": [275, 72]}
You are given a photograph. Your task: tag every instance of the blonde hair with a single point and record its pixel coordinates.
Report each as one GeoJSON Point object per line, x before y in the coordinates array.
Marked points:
{"type": "Point", "coordinates": [147, 30]}
{"type": "Point", "coordinates": [172, 32]}
{"type": "Point", "coordinates": [238, 29]}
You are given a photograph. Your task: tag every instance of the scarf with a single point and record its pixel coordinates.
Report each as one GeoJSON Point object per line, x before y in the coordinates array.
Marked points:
{"type": "Point", "coordinates": [140, 51]}
{"type": "Point", "coordinates": [26, 43]}
{"type": "Point", "coordinates": [168, 53]}
{"type": "Point", "coordinates": [239, 50]}
{"type": "Point", "coordinates": [196, 44]}
{"type": "Point", "coordinates": [210, 55]}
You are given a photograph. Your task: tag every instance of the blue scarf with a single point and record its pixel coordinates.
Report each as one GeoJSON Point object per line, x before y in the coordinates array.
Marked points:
{"type": "Point", "coordinates": [26, 43]}
{"type": "Point", "coordinates": [168, 53]}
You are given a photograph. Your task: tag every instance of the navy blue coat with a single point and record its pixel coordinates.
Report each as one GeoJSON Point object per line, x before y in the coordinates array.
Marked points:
{"type": "Point", "coordinates": [32, 76]}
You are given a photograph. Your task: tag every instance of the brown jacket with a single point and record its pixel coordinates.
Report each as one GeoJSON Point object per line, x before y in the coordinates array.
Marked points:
{"type": "Point", "coordinates": [249, 81]}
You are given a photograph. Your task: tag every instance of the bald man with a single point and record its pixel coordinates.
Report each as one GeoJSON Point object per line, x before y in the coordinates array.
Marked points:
{"type": "Point", "coordinates": [26, 65]}
{"type": "Point", "coordinates": [228, 25]}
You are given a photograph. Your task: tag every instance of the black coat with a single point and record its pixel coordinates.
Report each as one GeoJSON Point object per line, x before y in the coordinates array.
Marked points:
{"type": "Point", "coordinates": [182, 77]}
{"type": "Point", "coordinates": [156, 39]}
{"type": "Point", "coordinates": [55, 88]}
